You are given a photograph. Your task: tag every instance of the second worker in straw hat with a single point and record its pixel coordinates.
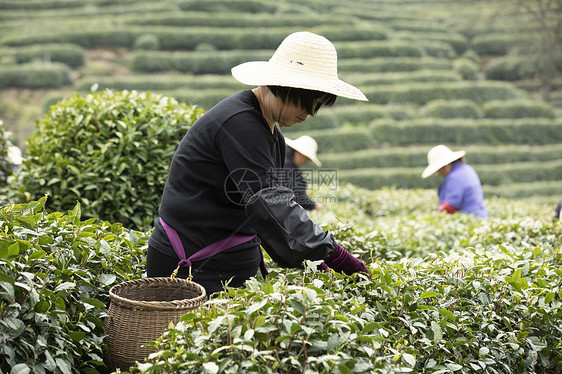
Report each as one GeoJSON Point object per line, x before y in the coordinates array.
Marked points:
{"type": "Point", "coordinates": [299, 152]}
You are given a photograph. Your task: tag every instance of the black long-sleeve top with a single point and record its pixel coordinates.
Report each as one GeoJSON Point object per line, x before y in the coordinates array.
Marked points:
{"type": "Point", "coordinates": [228, 155]}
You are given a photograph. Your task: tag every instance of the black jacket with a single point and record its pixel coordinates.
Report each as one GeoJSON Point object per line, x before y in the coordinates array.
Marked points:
{"type": "Point", "coordinates": [225, 159]}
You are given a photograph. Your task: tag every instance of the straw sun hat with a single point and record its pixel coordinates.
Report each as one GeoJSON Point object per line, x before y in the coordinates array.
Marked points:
{"type": "Point", "coordinates": [439, 156]}
{"type": "Point", "coordinates": [15, 155]}
{"type": "Point", "coordinates": [306, 146]}
{"type": "Point", "coordinates": [302, 60]}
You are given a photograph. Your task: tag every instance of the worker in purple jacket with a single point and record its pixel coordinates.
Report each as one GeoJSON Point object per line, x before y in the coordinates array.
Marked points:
{"type": "Point", "coordinates": [461, 189]}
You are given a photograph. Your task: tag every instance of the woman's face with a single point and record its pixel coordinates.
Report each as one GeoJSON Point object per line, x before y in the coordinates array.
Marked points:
{"type": "Point", "coordinates": [299, 159]}
{"type": "Point", "coordinates": [445, 170]}
{"type": "Point", "coordinates": [283, 112]}
{"type": "Point", "coordinates": [290, 114]}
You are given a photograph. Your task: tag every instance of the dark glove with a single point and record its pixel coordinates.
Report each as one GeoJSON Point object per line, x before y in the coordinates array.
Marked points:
{"type": "Point", "coordinates": [344, 262]}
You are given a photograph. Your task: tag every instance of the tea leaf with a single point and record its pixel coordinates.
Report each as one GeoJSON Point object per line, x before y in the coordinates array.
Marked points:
{"type": "Point", "coordinates": [428, 294]}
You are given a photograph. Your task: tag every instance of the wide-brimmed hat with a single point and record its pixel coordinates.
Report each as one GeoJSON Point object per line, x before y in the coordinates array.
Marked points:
{"type": "Point", "coordinates": [302, 60]}
{"type": "Point", "coordinates": [306, 146]}
{"type": "Point", "coordinates": [15, 155]}
{"type": "Point", "coordinates": [439, 156]}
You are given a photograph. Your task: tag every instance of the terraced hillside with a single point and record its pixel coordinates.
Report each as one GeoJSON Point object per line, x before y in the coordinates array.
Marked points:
{"type": "Point", "coordinates": [434, 72]}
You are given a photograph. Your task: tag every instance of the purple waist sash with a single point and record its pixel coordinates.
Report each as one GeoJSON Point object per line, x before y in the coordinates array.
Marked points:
{"type": "Point", "coordinates": [210, 250]}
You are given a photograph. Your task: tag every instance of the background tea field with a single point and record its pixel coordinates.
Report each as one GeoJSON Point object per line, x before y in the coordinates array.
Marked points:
{"type": "Point", "coordinates": [452, 72]}
{"type": "Point", "coordinates": [447, 293]}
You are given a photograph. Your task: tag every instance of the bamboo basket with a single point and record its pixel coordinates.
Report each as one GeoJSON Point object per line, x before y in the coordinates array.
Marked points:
{"type": "Point", "coordinates": [140, 310]}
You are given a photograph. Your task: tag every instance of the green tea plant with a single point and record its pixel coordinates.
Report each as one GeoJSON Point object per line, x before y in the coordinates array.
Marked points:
{"type": "Point", "coordinates": [108, 150]}
{"type": "Point", "coordinates": [55, 276]}
{"type": "Point", "coordinates": [490, 311]}
{"type": "Point", "coordinates": [453, 109]}
{"type": "Point", "coordinates": [446, 294]}
{"type": "Point", "coordinates": [35, 75]}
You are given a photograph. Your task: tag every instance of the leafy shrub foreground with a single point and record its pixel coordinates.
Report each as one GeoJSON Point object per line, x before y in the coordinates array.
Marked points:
{"type": "Point", "coordinates": [108, 150]}
{"type": "Point", "coordinates": [55, 276]}
{"type": "Point", "coordinates": [447, 293]}
{"type": "Point", "coordinates": [493, 311]}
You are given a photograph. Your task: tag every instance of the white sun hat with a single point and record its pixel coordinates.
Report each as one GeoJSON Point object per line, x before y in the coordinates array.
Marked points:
{"type": "Point", "coordinates": [306, 146]}
{"type": "Point", "coordinates": [15, 155]}
{"type": "Point", "coordinates": [439, 156]}
{"type": "Point", "coordinates": [302, 60]}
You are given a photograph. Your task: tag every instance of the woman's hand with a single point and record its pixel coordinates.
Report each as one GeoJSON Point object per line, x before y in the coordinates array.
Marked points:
{"type": "Point", "coordinates": [344, 262]}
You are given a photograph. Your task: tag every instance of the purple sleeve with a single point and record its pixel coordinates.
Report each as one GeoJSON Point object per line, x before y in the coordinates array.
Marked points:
{"type": "Point", "coordinates": [451, 191]}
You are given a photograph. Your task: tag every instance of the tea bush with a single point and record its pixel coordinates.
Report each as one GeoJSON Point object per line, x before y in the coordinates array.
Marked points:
{"type": "Point", "coordinates": [419, 131]}
{"type": "Point", "coordinates": [35, 75]}
{"type": "Point", "coordinates": [378, 48]}
{"type": "Point", "coordinates": [230, 19]}
{"type": "Point", "coordinates": [467, 68]}
{"type": "Point", "coordinates": [34, 5]}
{"type": "Point", "coordinates": [110, 151]}
{"type": "Point", "coordinates": [68, 54]}
{"type": "Point", "coordinates": [446, 293]}
{"type": "Point", "coordinates": [220, 62]}
{"type": "Point", "coordinates": [518, 109]}
{"type": "Point", "coordinates": [509, 68]}
{"type": "Point", "coordinates": [147, 41]}
{"type": "Point", "coordinates": [453, 109]}
{"type": "Point", "coordinates": [55, 276]}
{"type": "Point", "coordinates": [403, 77]}
{"type": "Point", "coordinates": [416, 156]}
{"type": "Point", "coordinates": [395, 64]}
{"type": "Point", "coordinates": [186, 39]}
{"type": "Point", "coordinates": [525, 190]}
{"type": "Point", "coordinates": [84, 37]}
{"type": "Point", "coordinates": [398, 22]}
{"type": "Point", "coordinates": [159, 83]}
{"type": "Point", "coordinates": [211, 62]}
{"type": "Point", "coordinates": [252, 6]}
{"type": "Point", "coordinates": [204, 98]}
{"type": "Point", "coordinates": [468, 131]}
{"type": "Point", "coordinates": [421, 93]}
{"type": "Point", "coordinates": [473, 298]}
{"type": "Point", "coordinates": [495, 44]}
{"type": "Point", "coordinates": [457, 41]}
{"type": "Point", "coordinates": [402, 177]}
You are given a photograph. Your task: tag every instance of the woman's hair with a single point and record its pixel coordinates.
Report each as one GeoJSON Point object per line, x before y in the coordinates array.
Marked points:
{"type": "Point", "coordinates": [462, 159]}
{"type": "Point", "coordinates": [305, 98]}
